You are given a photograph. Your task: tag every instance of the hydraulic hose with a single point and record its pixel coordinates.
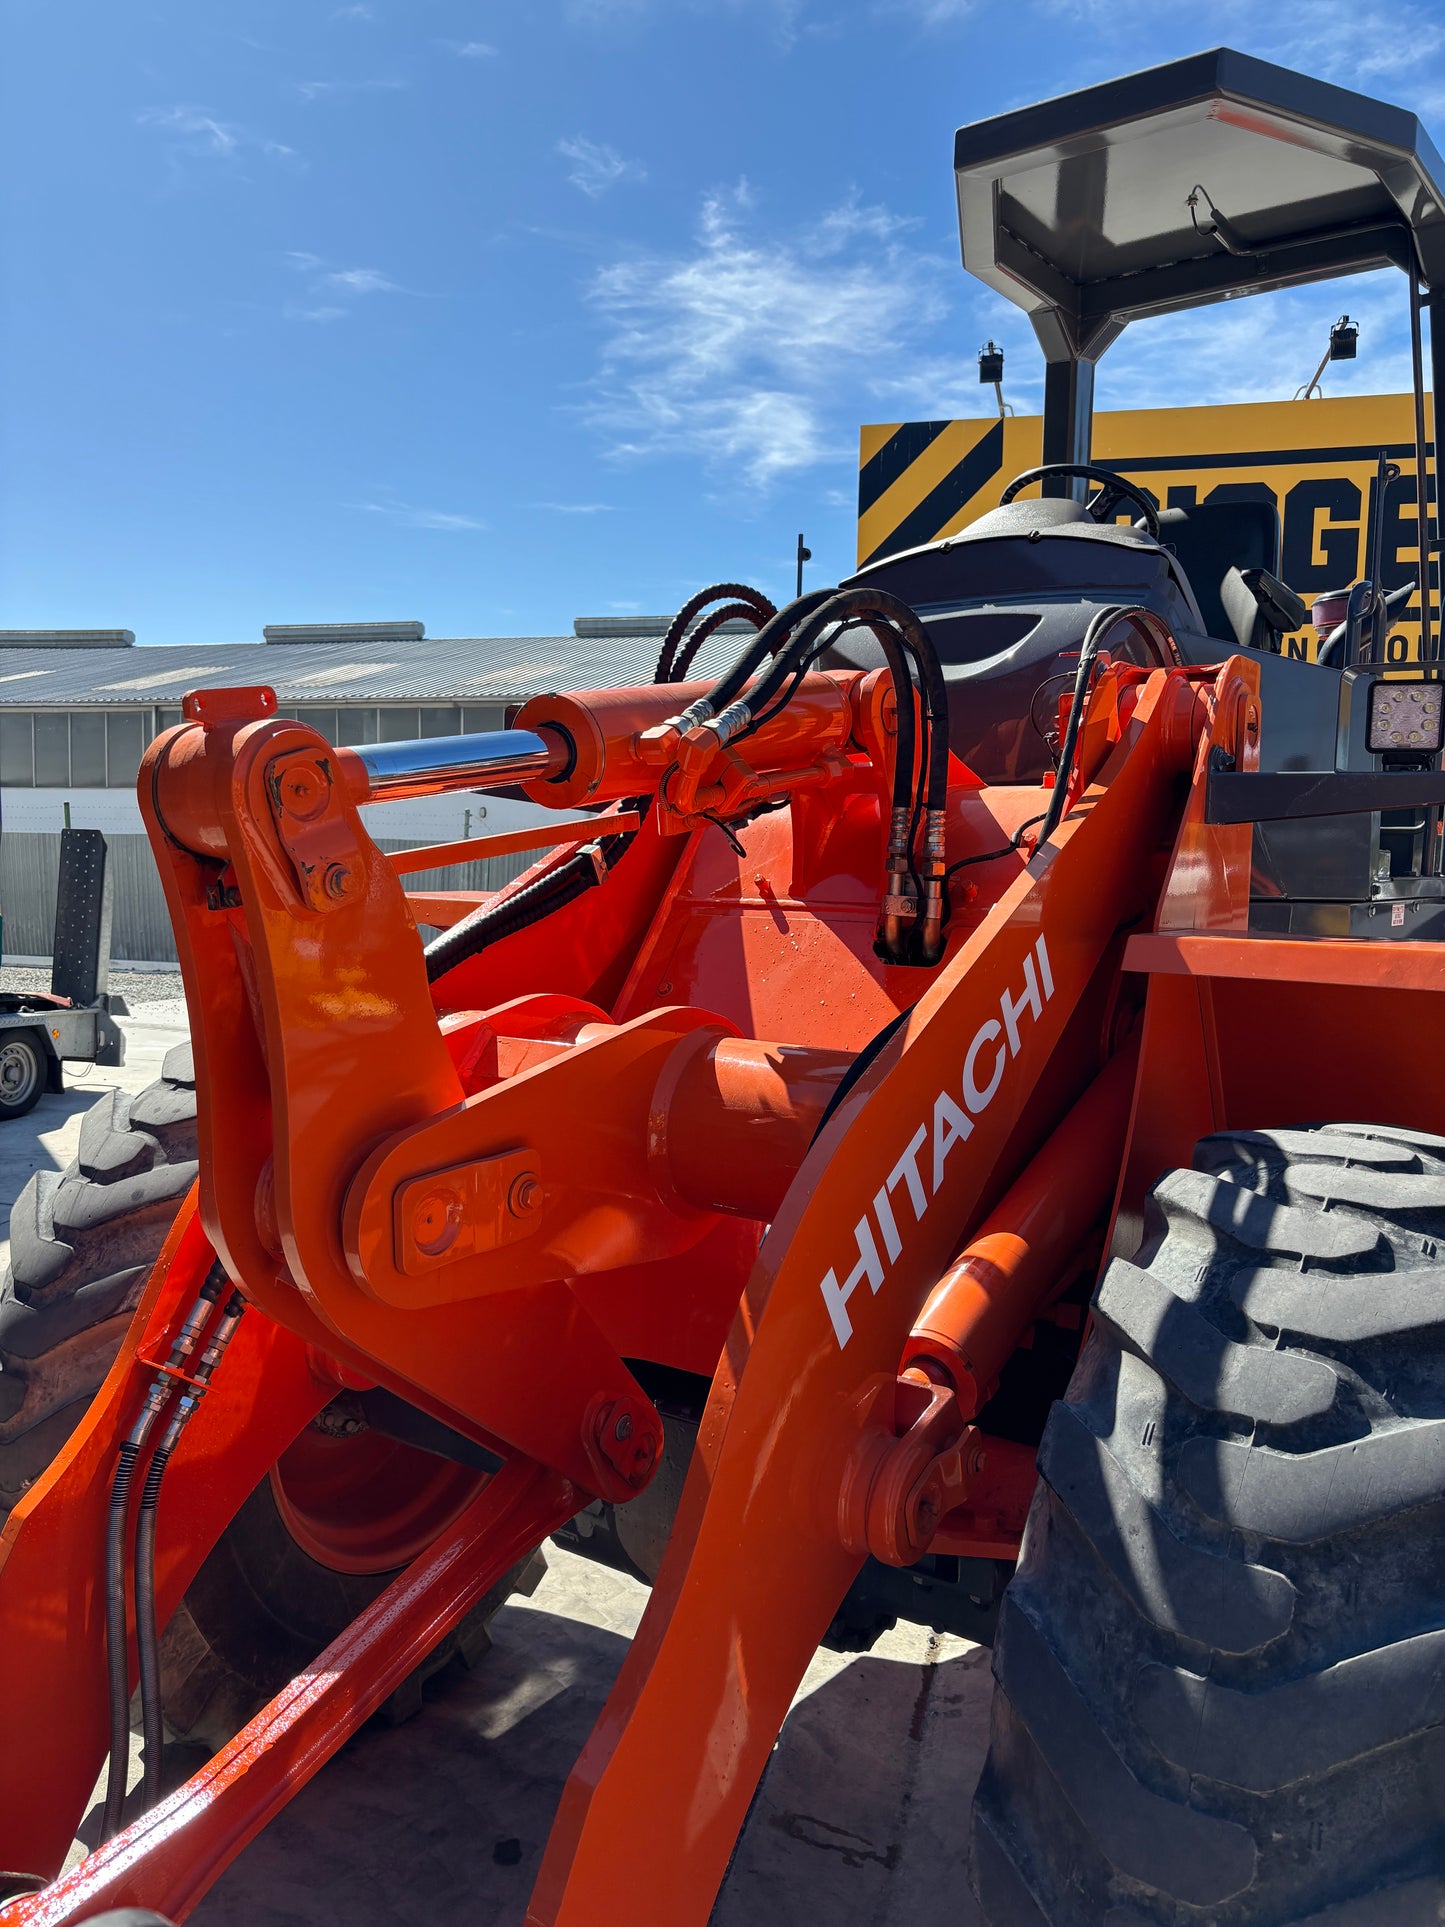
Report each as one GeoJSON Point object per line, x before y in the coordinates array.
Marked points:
{"type": "Point", "coordinates": [488, 925]}
{"type": "Point", "coordinates": [773, 639]}
{"type": "Point", "coordinates": [687, 654]}
{"type": "Point", "coordinates": [116, 1645]}
{"type": "Point", "coordinates": [749, 602]}
{"type": "Point", "coordinates": [1094, 635]}
{"type": "Point", "coordinates": [147, 1637]}
{"type": "Point", "coordinates": [589, 866]}
{"type": "Point", "coordinates": [116, 1656]}
{"type": "Point", "coordinates": [897, 629]}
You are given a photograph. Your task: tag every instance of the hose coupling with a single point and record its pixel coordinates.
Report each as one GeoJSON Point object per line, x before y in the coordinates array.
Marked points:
{"type": "Point", "coordinates": [899, 909]}
{"type": "Point", "coordinates": [931, 933]}
{"type": "Point", "coordinates": [733, 720]}
{"type": "Point", "coordinates": [700, 711]}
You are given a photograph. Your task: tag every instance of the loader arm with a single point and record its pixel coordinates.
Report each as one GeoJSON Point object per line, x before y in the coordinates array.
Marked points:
{"type": "Point", "coordinates": [430, 1231]}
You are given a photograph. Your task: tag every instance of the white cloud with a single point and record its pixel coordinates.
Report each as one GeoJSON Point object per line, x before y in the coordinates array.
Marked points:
{"type": "Point", "coordinates": [200, 132]}
{"type": "Point", "coordinates": [596, 166]}
{"type": "Point", "coordinates": [578, 508]}
{"type": "Point", "coordinates": [1261, 349]}
{"type": "Point", "coordinates": [363, 281]}
{"type": "Point", "coordinates": [851, 221]}
{"type": "Point", "coordinates": [331, 287]}
{"type": "Point", "coordinates": [1370, 49]}
{"type": "Point", "coordinates": [473, 49]}
{"type": "Point", "coordinates": [408, 516]}
{"type": "Point", "coordinates": [357, 12]}
{"type": "Point", "coordinates": [742, 351]}
{"type": "Point", "coordinates": [309, 90]}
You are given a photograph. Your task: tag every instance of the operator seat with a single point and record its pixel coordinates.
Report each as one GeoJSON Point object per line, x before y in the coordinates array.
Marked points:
{"type": "Point", "coordinates": [1212, 538]}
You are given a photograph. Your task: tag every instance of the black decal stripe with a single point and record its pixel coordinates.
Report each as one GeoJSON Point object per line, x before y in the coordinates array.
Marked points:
{"type": "Point", "coordinates": [1259, 458]}
{"type": "Point", "coordinates": [942, 503]}
{"type": "Point", "coordinates": [884, 466]}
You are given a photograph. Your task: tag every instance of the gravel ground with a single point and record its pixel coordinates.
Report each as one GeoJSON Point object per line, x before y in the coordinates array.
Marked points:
{"type": "Point", "coordinates": [155, 995]}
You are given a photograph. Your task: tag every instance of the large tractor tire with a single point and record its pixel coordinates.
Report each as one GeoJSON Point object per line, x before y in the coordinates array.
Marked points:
{"type": "Point", "coordinates": [341, 1513]}
{"type": "Point", "coordinates": [1221, 1665]}
{"type": "Point", "coordinates": [82, 1243]}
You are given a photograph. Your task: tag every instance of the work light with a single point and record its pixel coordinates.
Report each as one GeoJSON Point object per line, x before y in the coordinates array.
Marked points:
{"type": "Point", "coordinates": [1406, 715]}
{"type": "Point", "coordinates": [1344, 339]}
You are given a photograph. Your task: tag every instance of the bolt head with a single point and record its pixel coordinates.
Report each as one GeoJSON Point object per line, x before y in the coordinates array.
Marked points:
{"type": "Point", "coordinates": [337, 881]}
{"type": "Point", "coordinates": [524, 1194]}
{"type": "Point", "coordinates": [623, 1428]}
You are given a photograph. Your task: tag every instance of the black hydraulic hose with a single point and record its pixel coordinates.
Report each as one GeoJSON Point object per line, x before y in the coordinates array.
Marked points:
{"type": "Point", "coordinates": [146, 1639]}
{"type": "Point", "coordinates": [147, 1636]}
{"type": "Point", "coordinates": [710, 624]}
{"type": "Point", "coordinates": [757, 606]}
{"type": "Point", "coordinates": [586, 868]}
{"type": "Point", "coordinates": [898, 630]}
{"type": "Point", "coordinates": [773, 639]}
{"type": "Point", "coordinates": [1088, 655]}
{"type": "Point", "coordinates": [116, 1655]}
{"type": "Point", "coordinates": [493, 921]}
{"type": "Point", "coordinates": [116, 1646]}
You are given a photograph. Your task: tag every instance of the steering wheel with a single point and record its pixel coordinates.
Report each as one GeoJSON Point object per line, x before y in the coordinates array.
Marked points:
{"type": "Point", "coordinates": [1113, 490]}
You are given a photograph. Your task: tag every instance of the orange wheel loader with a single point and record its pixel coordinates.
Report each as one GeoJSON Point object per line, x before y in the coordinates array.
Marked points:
{"type": "Point", "coordinates": [959, 1132]}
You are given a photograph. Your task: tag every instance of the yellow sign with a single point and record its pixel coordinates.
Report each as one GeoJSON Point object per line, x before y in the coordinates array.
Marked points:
{"type": "Point", "coordinates": [1316, 461]}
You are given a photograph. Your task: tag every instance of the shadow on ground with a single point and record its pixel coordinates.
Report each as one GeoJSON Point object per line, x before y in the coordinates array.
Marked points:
{"type": "Point", "coordinates": [861, 1819]}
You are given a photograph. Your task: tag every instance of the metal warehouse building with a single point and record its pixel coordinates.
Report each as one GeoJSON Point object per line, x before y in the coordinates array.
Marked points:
{"type": "Point", "coordinates": [78, 709]}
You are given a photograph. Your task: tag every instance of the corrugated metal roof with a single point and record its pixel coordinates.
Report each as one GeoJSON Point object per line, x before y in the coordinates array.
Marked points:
{"type": "Point", "coordinates": [442, 669]}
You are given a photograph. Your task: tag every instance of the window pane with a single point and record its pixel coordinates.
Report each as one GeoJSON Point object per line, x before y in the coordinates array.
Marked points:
{"type": "Point", "coordinates": [441, 721]}
{"type": "Point", "coordinates": [476, 719]}
{"type": "Point", "coordinates": [355, 726]}
{"type": "Point", "coordinates": [123, 744]}
{"type": "Point", "coordinates": [87, 750]}
{"type": "Point", "coordinates": [398, 725]}
{"type": "Point", "coordinates": [52, 750]}
{"type": "Point", "coordinates": [167, 719]}
{"type": "Point", "coordinates": [17, 765]}
{"type": "Point", "coordinates": [323, 720]}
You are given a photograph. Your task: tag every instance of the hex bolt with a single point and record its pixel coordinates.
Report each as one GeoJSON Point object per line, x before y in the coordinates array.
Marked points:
{"type": "Point", "coordinates": [524, 1194]}
{"type": "Point", "coordinates": [337, 881]}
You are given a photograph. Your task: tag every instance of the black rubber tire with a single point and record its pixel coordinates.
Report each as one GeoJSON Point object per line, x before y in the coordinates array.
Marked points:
{"type": "Point", "coordinates": [20, 1046]}
{"type": "Point", "coordinates": [1221, 1666]}
{"type": "Point", "coordinates": [260, 1609]}
{"type": "Point", "coordinates": [82, 1242]}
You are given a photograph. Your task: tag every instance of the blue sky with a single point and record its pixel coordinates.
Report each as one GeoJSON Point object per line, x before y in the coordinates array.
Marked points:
{"type": "Point", "coordinates": [495, 315]}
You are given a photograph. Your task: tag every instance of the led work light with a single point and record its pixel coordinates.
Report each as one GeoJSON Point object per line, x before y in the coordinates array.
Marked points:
{"type": "Point", "coordinates": [1406, 715]}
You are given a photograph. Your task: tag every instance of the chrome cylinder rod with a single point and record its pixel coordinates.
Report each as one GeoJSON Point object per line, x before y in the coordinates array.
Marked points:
{"type": "Point", "coordinates": [436, 764]}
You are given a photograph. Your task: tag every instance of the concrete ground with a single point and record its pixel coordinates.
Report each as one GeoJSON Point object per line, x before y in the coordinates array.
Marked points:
{"type": "Point", "coordinates": [861, 1819]}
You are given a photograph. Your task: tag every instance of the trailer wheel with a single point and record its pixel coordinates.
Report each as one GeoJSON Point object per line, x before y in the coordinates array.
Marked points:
{"type": "Point", "coordinates": [22, 1073]}
{"type": "Point", "coordinates": [1220, 1664]}
{"type": "Point", "coordinates": [82, 1243]}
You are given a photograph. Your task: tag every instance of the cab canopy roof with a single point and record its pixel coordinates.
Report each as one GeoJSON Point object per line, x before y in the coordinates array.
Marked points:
{"type": "Point", "coordinates": [1078, 209]}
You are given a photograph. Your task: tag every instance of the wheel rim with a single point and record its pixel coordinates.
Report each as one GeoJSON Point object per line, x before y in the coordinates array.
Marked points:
{"type": "Point", "coordinates": [367, 1504]}
{"type": "Point", "coordinates": [19, 1072]}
